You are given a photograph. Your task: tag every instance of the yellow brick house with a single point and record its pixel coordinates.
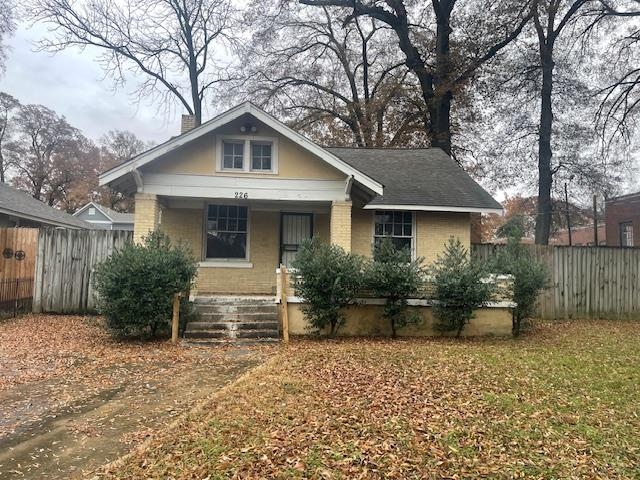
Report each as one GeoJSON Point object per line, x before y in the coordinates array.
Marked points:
{"type": "Point", "coordinates": [243, 191]}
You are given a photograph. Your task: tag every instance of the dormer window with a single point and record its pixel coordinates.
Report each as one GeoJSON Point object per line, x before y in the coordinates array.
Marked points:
{"type": "Point", "coordinates": [233, 155]}
{"type": "Point", "coordinates": [250, 154]}
{"type": "Point", "coordinates": [261, 156]}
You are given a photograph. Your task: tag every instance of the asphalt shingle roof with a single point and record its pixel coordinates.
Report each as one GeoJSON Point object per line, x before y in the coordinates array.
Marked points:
{"type": "Point", "coordinates": [23, 205]}
{"type": "Point", "coordinates": [417, 177]}
{"type": "Point", "coordinates": [117, 217]}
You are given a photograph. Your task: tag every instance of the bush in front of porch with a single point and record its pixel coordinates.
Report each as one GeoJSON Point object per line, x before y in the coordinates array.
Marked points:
{"type": "Point", "coordinates": [330, 280]}
{"type": "Point", "coordinates": [136, 285]}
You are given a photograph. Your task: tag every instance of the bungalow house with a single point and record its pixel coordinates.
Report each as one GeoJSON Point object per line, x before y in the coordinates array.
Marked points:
{"type": "Point", "coordinates": [103, 218]}
{"type": "Point", "coordinates": [243, 191]}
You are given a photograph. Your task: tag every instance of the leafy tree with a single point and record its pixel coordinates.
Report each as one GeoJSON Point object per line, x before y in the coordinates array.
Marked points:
{"type": "Point", "coordinates": [459, 287]}
{"type": "Point", "coordinates": [117, 147]}
{"type": "Point", "coordinates": [172, 44]}
{"type": "Point", "coordinates": [529, 278]}
{"type": "Point", "coordinates": [136, 285]}
{"type": "Point", "coordinates": [42, 152]}
{"type": "Point", "coordinates": [394, 276]}
{"type": "Point", "coordinates": [330, 280]}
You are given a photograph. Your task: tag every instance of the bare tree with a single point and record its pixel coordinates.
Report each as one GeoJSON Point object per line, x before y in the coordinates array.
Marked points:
{"type": "Point", "coordinates": [7, 27]}
{"type": "Point", "coordinates": [8, 105]}
{"type": "Point", "coordinates": [340, 83]}
{"type": "Point", "coordinates": [172, 43]}
{"type": "Point", "coordinates": [442, 61]}
{"type": "Point", "coordinates": [621, 93]}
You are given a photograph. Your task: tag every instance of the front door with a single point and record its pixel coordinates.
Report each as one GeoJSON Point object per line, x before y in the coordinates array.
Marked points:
{"type": "Point", "coordinates": [295, 228]}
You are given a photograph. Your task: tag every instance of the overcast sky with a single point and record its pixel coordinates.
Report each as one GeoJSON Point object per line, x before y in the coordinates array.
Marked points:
{"type": "Point", "coordinates": [73, 84]}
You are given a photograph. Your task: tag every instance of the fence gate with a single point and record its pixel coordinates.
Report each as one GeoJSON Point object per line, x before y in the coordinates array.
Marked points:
{"type": "Point", "coordinates": [17, 265]}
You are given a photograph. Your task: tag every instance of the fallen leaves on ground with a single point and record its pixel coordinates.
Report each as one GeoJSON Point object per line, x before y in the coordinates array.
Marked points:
{"type": "Point", "coordinates": [562, 402]}
{"type": "Point", "coordinates": [71, 397]}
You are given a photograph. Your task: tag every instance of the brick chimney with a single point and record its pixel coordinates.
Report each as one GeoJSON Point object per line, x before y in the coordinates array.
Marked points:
{"type": "Point", "coordinates": [188, 123]}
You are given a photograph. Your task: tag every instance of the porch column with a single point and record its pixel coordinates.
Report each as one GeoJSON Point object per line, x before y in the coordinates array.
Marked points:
{"type": "Point", "coordinates": [340, 228]}
{"type": "Point", "coordinates": [147, 215]}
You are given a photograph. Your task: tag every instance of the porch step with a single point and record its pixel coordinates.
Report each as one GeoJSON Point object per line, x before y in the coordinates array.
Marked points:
{"type": "Point", "coordinates": [234, 319]}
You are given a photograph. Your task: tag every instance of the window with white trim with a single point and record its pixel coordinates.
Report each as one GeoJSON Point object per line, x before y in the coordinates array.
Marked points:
{"type": "Point", "coordinates": [261, 156]}
{"type": "Point", "coordinates": [227, 232]}
{"type": "Point", "coordinates": [626, 234]}
{"type": "Point", "coordinates": [232, 155]}
{"type": "Point", "coordinates": [249, 154]}
{"type": "Point", "coordinates": [395, 224]}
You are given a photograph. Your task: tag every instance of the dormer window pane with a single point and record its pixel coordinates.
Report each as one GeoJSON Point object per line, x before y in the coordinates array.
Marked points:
{"type": "Point", "coordinates": [260, 156]}
{"type": "Point", "coordinates": [232, 155]}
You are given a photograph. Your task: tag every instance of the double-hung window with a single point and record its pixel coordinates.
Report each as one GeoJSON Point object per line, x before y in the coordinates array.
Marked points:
{"type": "Point", "coordinates": [249, 154]}
{"type": "Point", "coordinates": [395, 224]}
{"type": "Point", "coordinates": [261, 156]}
{"type": "Point", "coordinates": [232, 155]}
{"type": "Point", "coordinates": [626, 234]}
{"type": "Point", "coordinates": [227, 232]}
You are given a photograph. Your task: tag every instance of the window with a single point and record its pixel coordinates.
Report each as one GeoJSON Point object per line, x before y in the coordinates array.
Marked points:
{"type": "Point", "coordinates": [626, 234]}
{"type": "Point", "coordinates": [232, 155]}
{"type": "Point", "coordinates": [227, 231]}
{"type": "Point", "coordinates": [260, 156]}
{"type": "Point", "coordinates": [247, 153]}
{"type": "Point", "coordinates": [397, 225]}
{"type": "Point", "coordinates": [92, 211]}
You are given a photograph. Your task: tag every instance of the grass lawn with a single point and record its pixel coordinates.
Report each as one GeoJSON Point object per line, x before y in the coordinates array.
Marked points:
{"type": "Point", "coordinates": [561, 402]}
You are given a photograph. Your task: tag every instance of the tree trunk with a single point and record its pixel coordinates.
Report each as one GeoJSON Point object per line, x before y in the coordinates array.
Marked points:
{"type": "Point", "coordinates": [543, 219]}
{"type": "Point", "coordinates": [440, 107]}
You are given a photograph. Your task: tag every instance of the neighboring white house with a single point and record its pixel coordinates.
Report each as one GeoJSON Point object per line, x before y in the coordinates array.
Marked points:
{"type": "Point", "coordinates": [104, 218]}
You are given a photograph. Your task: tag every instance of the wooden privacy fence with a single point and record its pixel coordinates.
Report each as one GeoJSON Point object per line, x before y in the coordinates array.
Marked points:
{"type": "Point", "coordinates": [585, 282]}
{"type": "Point", "coordinates": [64, 267]}
{"type": "Point", "coordinates": [17, 264]}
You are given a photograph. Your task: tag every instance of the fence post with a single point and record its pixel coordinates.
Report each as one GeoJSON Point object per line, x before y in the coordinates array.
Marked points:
{"type": "Point", "coordinates": [175, 320]}
{"type": "Point", "coordinates": [284, 280]}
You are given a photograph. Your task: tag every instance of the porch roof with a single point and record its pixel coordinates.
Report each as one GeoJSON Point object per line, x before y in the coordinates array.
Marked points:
{"type": "Point", "coordinates": [419, 179]}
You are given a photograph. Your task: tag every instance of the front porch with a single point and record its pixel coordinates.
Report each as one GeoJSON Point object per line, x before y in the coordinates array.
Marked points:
{"type": "Point", "coordinates": [240, 243]}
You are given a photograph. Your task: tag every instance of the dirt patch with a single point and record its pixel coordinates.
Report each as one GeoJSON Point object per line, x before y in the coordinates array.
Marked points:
{"type": "Point", "coordinates": [73, 399]}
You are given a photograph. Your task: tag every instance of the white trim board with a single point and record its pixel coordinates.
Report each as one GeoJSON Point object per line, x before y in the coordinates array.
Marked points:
{"type": "Point", "coordinates": [230, 115]}
{"type": "Point", "coordinates": [434, 208]}
{"type": "Point", "coordinates": [235, 187]}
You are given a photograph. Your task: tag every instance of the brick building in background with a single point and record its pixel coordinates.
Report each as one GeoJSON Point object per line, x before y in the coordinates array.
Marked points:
{"type": "Point", "coordinates": [622, 219]}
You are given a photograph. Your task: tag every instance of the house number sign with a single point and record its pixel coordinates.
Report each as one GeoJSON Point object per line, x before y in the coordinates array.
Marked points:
{"type": "Point", "coordinates": [241, 195]}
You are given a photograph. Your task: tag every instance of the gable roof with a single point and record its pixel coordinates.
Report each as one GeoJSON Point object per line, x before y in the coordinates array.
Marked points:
{"type": "Point", "coordinates": [419, 179]}
{"type": "Point", "coordinates": [244, 108]}
{"type": "Point", "coordinates": [22, 205]}
{"type": "Point", "coordinates": [115, 217]}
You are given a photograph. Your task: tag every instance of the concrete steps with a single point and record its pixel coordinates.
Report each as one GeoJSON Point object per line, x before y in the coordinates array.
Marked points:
{"type": "Point", "coordinates": [233, 320]}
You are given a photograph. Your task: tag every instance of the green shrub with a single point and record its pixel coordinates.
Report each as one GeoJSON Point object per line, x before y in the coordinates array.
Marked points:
{"type": "Point", "coordinates": [330, 280]}
{"type": "Point", "coordinates": [459, 287]}
{"type": "Point", "coordinates": [136, 285]}
{"type": "Point", "coordinates": [529, 277]}
{"type": "Point", "coordinates": [394, 276]}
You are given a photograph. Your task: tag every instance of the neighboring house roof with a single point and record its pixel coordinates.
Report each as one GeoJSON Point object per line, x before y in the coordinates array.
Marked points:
{"type": "Point", "coordinates": [144, 158]}
{"type": "Point", "coordinates": [419, 179]}
{"type": "Point", "coordinates": [115, 217]}
{"type": "Point", "coordinates": [22, 205]}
